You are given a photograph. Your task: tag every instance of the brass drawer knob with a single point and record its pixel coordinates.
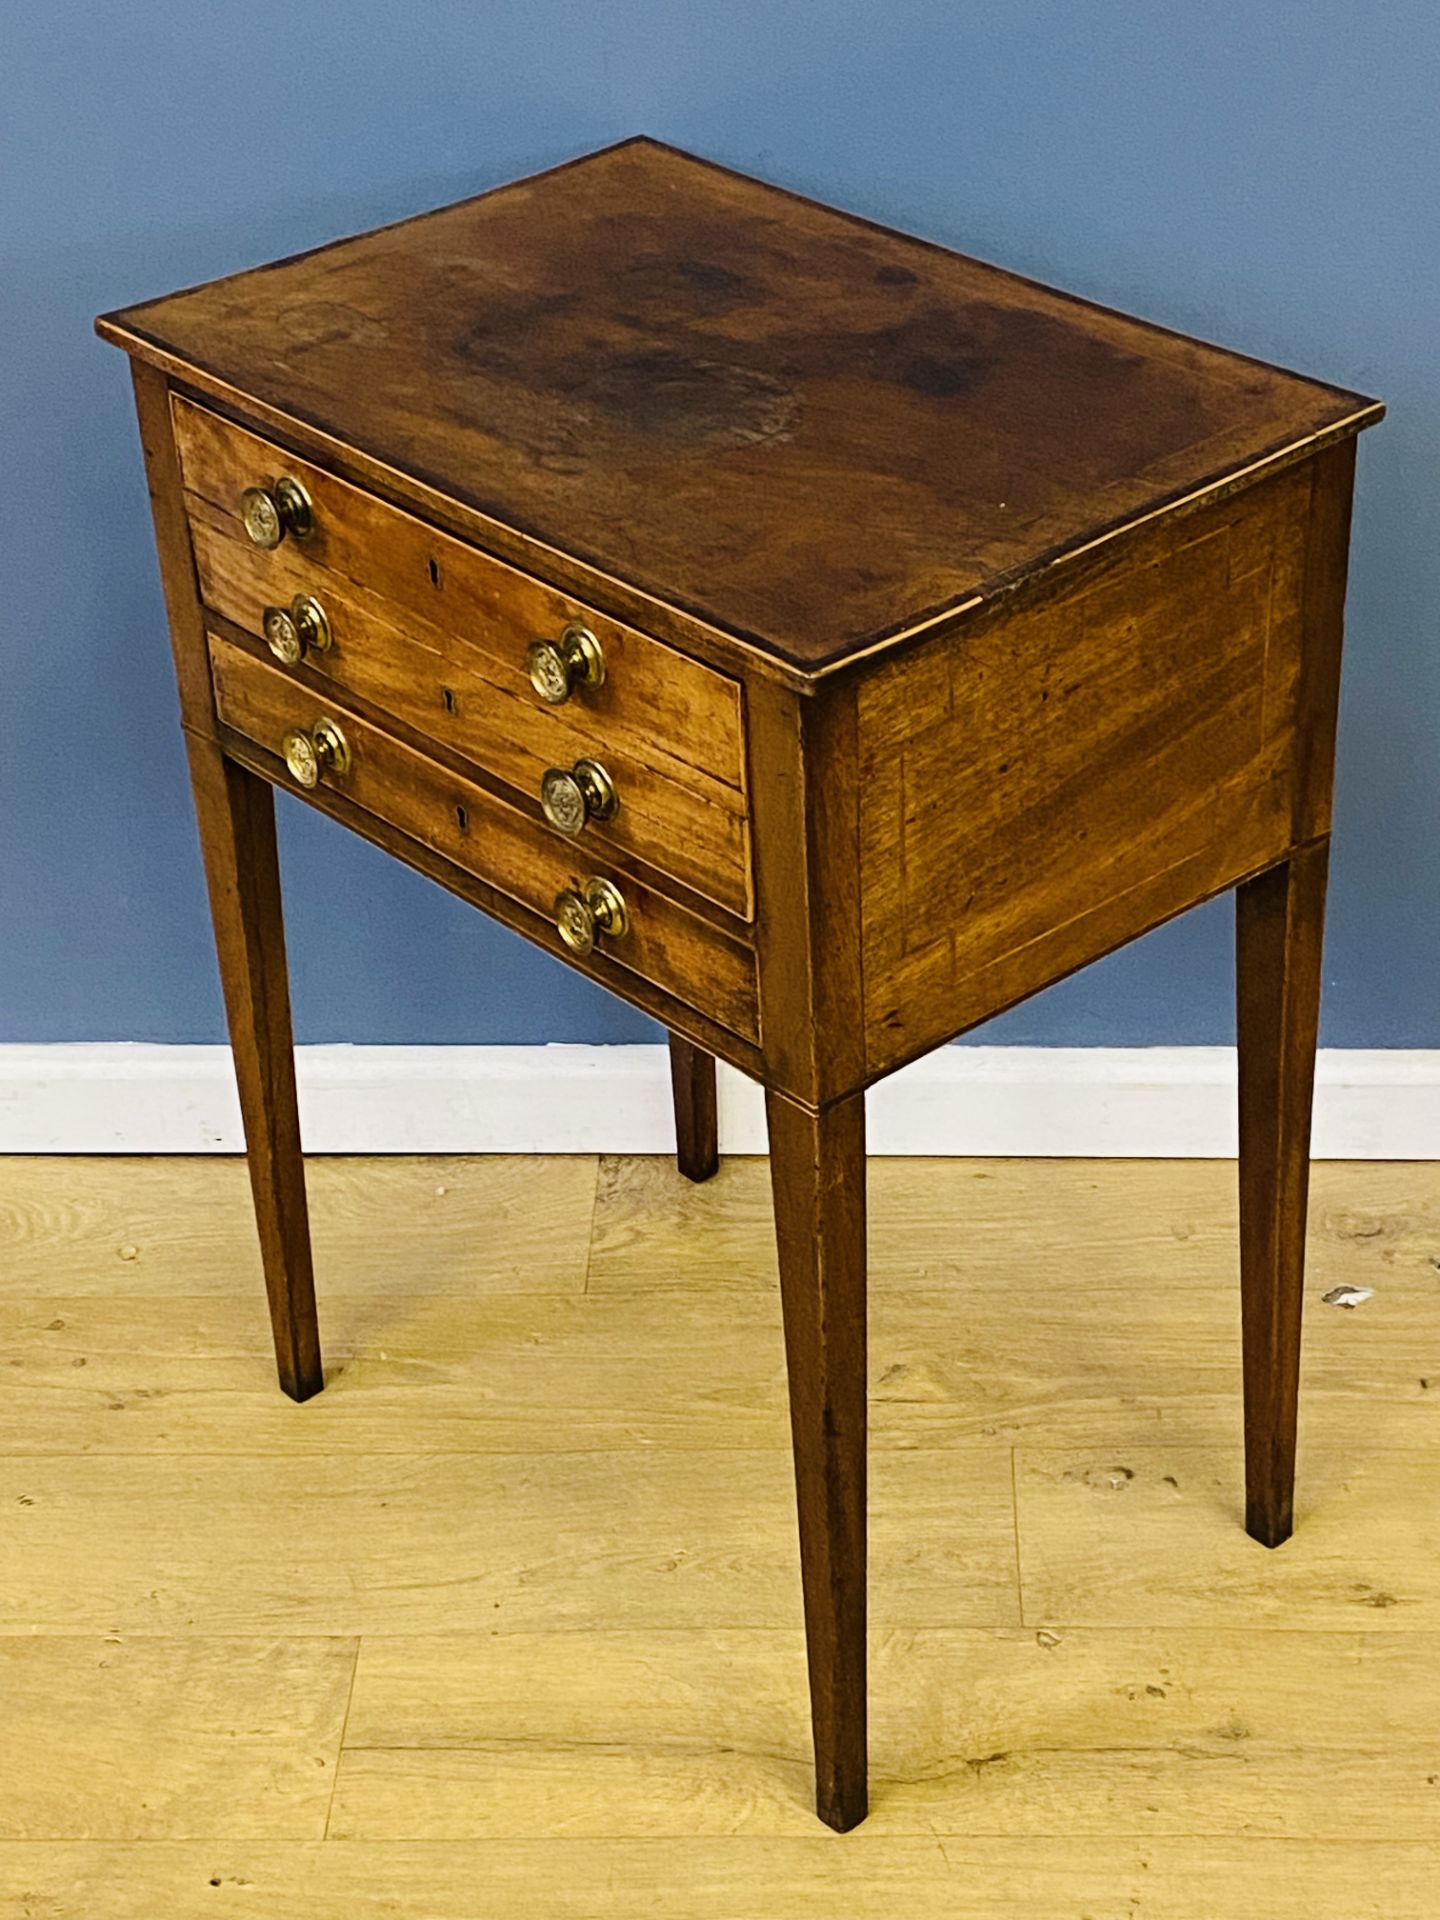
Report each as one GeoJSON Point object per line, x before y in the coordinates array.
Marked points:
{"type": "Point", "coordinates": [580, 917]}
{"type": "Point", "coordinates": [586, 792]}
{"type": "Point", "coordinates": [270, 512]}
{"type": "Point", "coordinates": [557, 667]}
{"type": "Point", "coordinates": [323, 749]}
{"type": "Point", "coordinates": [302, 627]}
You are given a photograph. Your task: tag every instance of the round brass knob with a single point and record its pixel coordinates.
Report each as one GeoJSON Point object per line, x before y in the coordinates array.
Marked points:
{"type": "Point", "coordinates": [302, 627]}
{"type": "Point", "coordinates": [322, 750]}
{"type": "Point", "coordinates": [586, 792]}
{"type": "Point", "coordinates": [270, 512]}
{"type": "Point", "coordinates": [581, 916]}
{"type": "Point", "coordinates": [557, 667]}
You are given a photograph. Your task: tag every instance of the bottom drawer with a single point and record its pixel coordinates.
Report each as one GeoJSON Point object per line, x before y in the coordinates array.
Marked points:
{"type": "Point", "coordinates": [471, 827]}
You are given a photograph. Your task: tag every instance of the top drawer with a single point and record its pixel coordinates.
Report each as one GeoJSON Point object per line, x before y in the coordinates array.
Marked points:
{"type": "Point", "coordinates": [436, 632]}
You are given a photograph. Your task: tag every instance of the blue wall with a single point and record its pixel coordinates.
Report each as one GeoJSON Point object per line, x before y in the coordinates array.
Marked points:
{"type": "Point", "coordinates": [1262, 174]}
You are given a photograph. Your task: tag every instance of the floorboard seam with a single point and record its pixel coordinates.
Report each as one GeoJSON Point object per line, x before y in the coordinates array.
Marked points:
{"type": "Point", "coordinates": [594, 1216]}
{"type": "Point", "coordinates": [1015, 1522]}
{"type": "Point", "coordinates": [340, 1743]}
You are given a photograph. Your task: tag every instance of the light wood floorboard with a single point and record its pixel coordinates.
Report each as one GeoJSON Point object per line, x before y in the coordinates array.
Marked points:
{"type": "Point", "coordinates": [115, 1227]}
{"type": "Point", "coordinates": [655, 1368]}
{"type": "Point", "coordinates": [1060, 1224]}
{"type": "Point", "coordinates": [1150, 1535]}
{"type": "Point", "coordinates": [865, 1876]}
{"type": "Point", "coordinates": [115, 1738]}
{"type": "Point", "coordinates": [507, 1621]}
{"type": "Point", "coordinates": [974, 1731]}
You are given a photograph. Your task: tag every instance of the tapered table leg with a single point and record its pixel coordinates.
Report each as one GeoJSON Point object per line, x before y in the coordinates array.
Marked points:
{"type": "Point", "coordinates": [236, 812]}
{"type": "Point", "coordinates": [817, 1167]}
{"type": "Point", "coordinates": [1279, 931]}
{"type": "Point", "coordinates": [697, 1139]}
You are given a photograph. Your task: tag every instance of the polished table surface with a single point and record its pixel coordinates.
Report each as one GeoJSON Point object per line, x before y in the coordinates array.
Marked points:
{"type": "Point", "coordinates": [822, 639]}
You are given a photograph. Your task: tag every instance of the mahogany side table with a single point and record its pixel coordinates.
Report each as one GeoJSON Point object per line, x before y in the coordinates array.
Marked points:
{"type": "Point", "coordinates": [821, 639]}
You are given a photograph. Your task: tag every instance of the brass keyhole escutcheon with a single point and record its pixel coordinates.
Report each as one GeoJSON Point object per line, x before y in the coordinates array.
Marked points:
{"type": "Point", "coordinates": [557, 667]}
{"type": "Point", "coordinates": [302, 627]}
{"type": "Point", "coordinates": [586, 792]}
{"type": "Point", "coordinates": [268, 513]}
{"type": "Point", "coordinates": [323, 749]}
{"type": "Point", "coordinates": [581, 915]}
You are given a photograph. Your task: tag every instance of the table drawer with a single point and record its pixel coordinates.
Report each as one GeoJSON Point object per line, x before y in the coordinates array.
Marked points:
{"type": "Point", "coordinates": [473, 828]}
{"type": "Point", "coordinates": [436, 632]}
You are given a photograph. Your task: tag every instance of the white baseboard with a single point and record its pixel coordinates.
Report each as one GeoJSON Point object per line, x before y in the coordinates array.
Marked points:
{"type": "Point", "coordinates": [1141, 1102]}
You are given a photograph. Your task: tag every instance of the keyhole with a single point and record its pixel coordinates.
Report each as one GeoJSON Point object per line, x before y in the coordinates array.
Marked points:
{"type": "Point", "coordinates": [447, 695]}
{"type": "Point", "coordinates": [462, 819]}
{"type": "Point", "coordinates": [434, 566]}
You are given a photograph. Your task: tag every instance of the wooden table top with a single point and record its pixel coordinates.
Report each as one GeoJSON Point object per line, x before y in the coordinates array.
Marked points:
{"type": "Point", "coordinates": [811, 432]}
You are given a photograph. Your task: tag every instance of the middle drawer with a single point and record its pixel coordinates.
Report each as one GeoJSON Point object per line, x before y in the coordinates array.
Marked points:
{"type": "Point", "coordinates": [471, 827]}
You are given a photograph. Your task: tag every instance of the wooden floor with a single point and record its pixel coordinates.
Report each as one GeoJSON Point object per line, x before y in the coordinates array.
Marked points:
{"type": "Point", "coordinates": [506, 1623]}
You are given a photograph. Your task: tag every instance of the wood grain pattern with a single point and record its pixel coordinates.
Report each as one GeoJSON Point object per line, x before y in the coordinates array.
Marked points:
{"type": "Point", "coordinates": [678, 1016]}
{"type": "Point", "coordinates": [982, 1226]}
{"type": "Point", "coordinates": [236, 817]}
{"type": "Point", "coordinates": [1148, 1535]}
{"type": "Point", "coordinates": [802, 429]}
{"type": "Point", "coordinates": [1124, 1353]}
{"type": "Point", "coordinates": [236, 811]}
{"type": "Point", "coordinates": [974, 1731]}
{"type": "Point", "coordinates": [1279, 929]}
{"type": "Point", "coordinates": [172, 546]}
{"type": "Point", "coordinates": [805, 793]}
{"type": "Point", "coordinates": [427, 803]}
{"type": "Point", "coordinates": [479, 1543]}
{"type": "Point", "coordinates": [690, 1879]}
{"type": "Point", "coordinates": [1318, 695]}
{"type": "Point", "coordinates": [665, 708]}
{"type": "Point", "coordinates": [817, 1165]}
{"type": "Point", "coordinates": [182, 1229]}
{"type": "Point", "coordinates": [438, 687]}
{"type": "Point", "coordinates": [150, 1739]}
{"type": "Point", "coordinates": [433, 633]}
{"type": "Point", "coordinates": [1069, 776]}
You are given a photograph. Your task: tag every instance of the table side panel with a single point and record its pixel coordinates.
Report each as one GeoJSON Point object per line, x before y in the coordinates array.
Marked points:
{"type": "Point", "coordinates": [1051, 782]}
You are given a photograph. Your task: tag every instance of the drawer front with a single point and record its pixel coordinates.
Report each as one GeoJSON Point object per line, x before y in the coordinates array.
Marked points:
{"type": "Point", "coordinates": [435, 632]}
{"type": "Point", "coordinates": [474, 829]}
